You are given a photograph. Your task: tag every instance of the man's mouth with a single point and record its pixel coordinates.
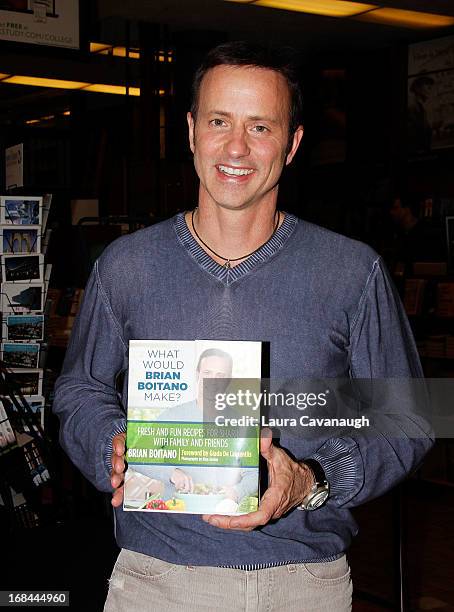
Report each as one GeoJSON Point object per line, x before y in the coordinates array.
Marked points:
{"type": "Point", "coordinates": [229, 171]}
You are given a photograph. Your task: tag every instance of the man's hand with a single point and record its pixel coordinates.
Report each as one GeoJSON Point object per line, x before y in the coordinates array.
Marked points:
{"type": "Point", "coordinates": [182, 481]}
{"type": "Point", "coordinates": [118, 468]}
{"type": "Point", "coordinates": [288, 484]}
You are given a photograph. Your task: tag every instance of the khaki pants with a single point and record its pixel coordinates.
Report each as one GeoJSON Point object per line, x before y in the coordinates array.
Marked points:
{"type": "Point", "coordinates": [144, 584]}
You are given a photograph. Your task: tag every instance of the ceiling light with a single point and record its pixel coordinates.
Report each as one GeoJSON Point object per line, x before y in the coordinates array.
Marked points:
{"type": "Point", "coordinates": [361, 12]}
{"type": "Point", "coordinates": [112, 89]}
{"type": "Point", "coordinates": [60, 84]}
{"type": "Point", "coordinates": [121, 52]}
{"type": "Point", "coordinates": [406, 19]}
{"type": "Point", "coordinates": [329, 8]}
{"type": "Point", "coordinates": [117, 51]}
{"type": "Point", "coordinates": [42, 82]}
{"type": "Point", "coordinates": [99, 47]}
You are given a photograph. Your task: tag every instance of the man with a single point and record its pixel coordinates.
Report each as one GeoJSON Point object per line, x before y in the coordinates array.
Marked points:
{"type": "Point", "coordinates": [238, 269]}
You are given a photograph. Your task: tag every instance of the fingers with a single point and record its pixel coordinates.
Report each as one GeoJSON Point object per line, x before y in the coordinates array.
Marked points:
{"type": "Point", "coordinates": [266, 443]}
{"type": "Point", "coordinates": [117, 474]}
{"type": "Point", "coordinates": [117, 497]}
{"type": "Point", "coordinates": [119, 445]}
{"type": "Point", "coordinates": [245, 522]}
{"type": "Point", "coordinates": [118, 461]}
{"type": "Point", "coordinates": [269, 509]}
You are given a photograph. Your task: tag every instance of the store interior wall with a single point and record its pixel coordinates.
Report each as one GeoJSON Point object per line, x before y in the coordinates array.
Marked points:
{"type": "Point", "coordinates": [110, 147]}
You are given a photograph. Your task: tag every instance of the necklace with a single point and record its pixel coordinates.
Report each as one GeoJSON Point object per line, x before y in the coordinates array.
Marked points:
{"type": "Point", "coordinates": [228, 260]}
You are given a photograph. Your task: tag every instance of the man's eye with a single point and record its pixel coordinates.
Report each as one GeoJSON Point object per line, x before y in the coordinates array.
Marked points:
{"type": "Point", "coordinates": [260, 128]}
{"type": "Point", "coordinates": [217, 122]}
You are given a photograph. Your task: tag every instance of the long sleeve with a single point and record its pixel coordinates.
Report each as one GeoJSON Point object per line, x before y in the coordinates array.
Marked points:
{"type": "Point", "coordinates": [365, 464]}
{"type": "Point", "coordinates": [86, 400]}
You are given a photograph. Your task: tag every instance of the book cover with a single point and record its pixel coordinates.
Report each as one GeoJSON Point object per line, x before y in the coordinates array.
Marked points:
{"type": "Point", "coordinates": [185, 450]}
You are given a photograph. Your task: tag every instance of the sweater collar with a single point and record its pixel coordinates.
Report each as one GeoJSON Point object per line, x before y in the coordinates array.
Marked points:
{"type": "Point", "coordinates": [229, 275]}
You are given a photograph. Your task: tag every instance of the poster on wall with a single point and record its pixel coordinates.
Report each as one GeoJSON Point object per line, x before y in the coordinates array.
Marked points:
{"type": "Point", "coordinates": [431, 95]}
{"type": "Point", "coordinates": [40, 22]}
{"type": "Point", "coordinates": [14, 166]}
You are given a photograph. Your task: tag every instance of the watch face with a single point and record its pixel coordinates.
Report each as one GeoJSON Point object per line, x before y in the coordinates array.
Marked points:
{"type": "Point", "coordinates": [317, 500]}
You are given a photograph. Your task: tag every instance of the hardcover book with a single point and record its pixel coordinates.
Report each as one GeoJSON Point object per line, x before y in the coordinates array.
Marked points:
{"type": "Point", "coordinates": [187, 448]}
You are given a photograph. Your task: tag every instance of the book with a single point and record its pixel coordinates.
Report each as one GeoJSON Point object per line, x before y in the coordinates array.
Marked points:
{"type": "Point", "coordinates": [188, 451]}
{"type": "Point", "coordinates": [414, 295]}
{"type": "Point", "coordinates": [445, 300]}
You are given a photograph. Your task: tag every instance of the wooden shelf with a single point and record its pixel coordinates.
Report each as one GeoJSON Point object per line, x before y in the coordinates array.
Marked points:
{"type": "Point", "coordinates": [438, 481]}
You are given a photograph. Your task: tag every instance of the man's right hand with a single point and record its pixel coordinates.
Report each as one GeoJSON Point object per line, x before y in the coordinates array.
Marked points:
{"type": "Point", "coordinates": [118, 468]}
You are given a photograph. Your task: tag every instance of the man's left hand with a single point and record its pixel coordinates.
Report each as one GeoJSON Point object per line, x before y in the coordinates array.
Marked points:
{"type": "Point", "coordinates": [289, 483]}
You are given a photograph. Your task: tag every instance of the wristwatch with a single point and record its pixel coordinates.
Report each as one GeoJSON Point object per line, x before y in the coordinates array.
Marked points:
{"type": "Point", "coordinates": [320, 490]}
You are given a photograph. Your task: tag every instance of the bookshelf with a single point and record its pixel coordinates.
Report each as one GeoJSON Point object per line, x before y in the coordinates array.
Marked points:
{"type": "Point", "coordinates": [429, 302]}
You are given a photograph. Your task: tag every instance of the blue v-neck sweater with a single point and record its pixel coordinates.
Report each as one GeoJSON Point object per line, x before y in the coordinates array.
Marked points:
{"type": "Point", "coordinates": [327, 308]}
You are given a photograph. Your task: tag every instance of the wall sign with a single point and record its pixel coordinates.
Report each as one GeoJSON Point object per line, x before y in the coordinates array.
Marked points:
{"type": "Point", "coordinates": [40, 22]}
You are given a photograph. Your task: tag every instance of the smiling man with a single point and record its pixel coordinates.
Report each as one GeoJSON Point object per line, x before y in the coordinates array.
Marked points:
{"type": "Point", "coordinates": [236, 268]}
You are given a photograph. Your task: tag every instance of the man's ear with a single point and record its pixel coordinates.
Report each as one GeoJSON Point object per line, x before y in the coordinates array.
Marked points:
{"type": "Point", "coordinates": [191, 125]}
{"type": "Point", "coordinates": [297, 137]}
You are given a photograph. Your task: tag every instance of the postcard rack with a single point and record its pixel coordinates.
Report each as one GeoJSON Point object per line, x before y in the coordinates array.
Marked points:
{"type": "Point", "coordinates": [25, 454]}
{"type": "Point", "coordinates": [24, 447]}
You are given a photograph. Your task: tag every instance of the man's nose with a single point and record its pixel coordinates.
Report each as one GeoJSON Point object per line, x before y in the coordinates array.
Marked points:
{"type": "Point", "coordinates": [237, 143]}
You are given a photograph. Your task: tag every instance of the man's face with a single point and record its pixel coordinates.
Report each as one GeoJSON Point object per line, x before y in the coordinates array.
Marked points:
{"type": "Point", "coordinates": [240, 137]}
{"type": "Point", "coordinates": [212, 367]}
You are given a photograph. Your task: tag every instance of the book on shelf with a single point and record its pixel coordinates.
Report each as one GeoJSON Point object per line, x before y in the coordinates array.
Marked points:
{"type": "Point", "coordinates": [435, 346]}
{"type": "Point", "coordinates": [445, 300]}
{"type": "Point", "coordinates": [414, 295]}
{"type": "Point", "coordinates": [450, 347]}
{"type": "Point", "coordinates": [430, 268]}
{"type": "Point", "coordinates": [182, 454]}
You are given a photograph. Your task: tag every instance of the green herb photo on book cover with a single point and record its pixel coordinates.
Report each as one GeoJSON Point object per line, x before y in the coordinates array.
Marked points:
{"type": "Point", "coordinates": [185, 452]}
